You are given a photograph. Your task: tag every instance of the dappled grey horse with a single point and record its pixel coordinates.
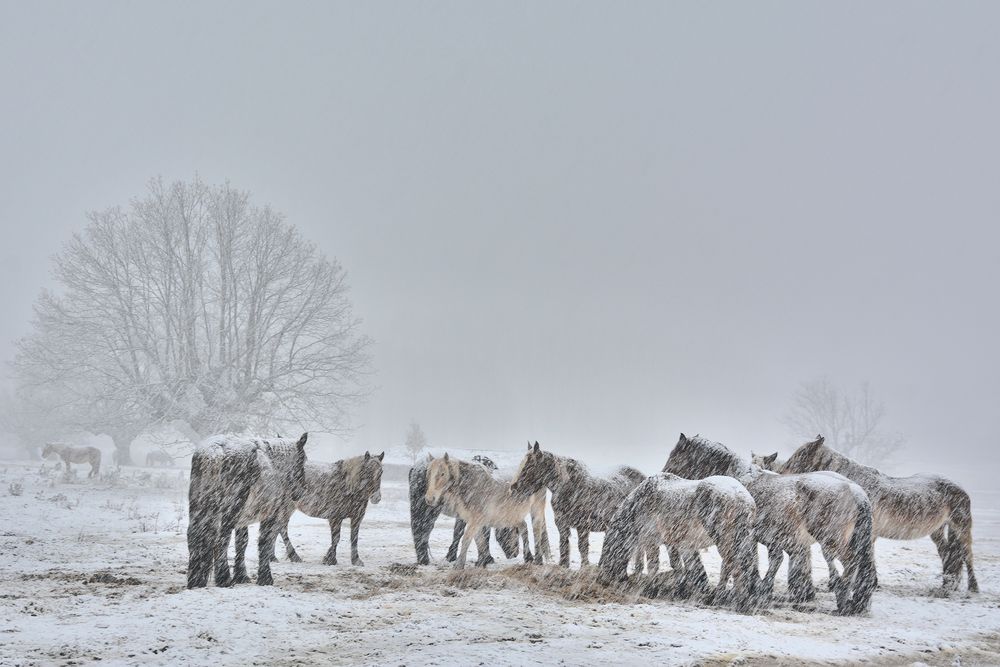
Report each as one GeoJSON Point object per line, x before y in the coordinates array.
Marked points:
{"type": "Point", "coordinates": [903, 508]}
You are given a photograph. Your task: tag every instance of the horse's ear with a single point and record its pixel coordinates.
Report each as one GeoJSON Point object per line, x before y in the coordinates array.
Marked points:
{"type": "Point", "coordinates": [367, 455]}
{"type": "Point", "coordinates": [381, 456]}
{"type": "Point", "coordinates": [430, 457]}
{"type": "Point", "coordinates": [302, 441]}
{"type": "Point", "coordinates": [820, 439]}
{"type": "Point", "coordinates": [770, 458]}
{"type": "Point", "coordinates": [537, 448]}
{"type": "Point", "coordinates": [529, 445]}
{"type": "Point", "coordinates": [682, 439]}
{"type": "Point", "coordinates": [446, 457]}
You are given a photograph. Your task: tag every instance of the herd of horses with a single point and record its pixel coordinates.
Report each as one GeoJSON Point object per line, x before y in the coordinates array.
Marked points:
{"type": "Point", "coordinates": [706, 495]}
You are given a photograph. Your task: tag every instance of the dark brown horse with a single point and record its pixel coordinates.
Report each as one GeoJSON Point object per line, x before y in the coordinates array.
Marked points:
{"type": "Point", "coordinates": [580, 500]}
{"type": "Point", "coordinates": [236, 482]}
{"type": "Point", "coordinates": [339, 491]}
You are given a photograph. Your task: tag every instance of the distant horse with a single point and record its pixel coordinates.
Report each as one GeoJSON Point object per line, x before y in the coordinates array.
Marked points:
{"type": "Point", "coordinates": [235, 482]}
{"type": "Point", "coordinates": [70, 454]}
{"type": "Point", "coordinates": [903, 508]}
{"type": "Point", "coordinates": [793, 513]}
{"type": "Point", "coordinates": [579, 500]}
{"type": "Point", "coordinates": [687, 515]}
{"type": "Point", "coordinates": [423, 516]}
{"type": "Point", "coordinates": [159, 458]}
{"type": "Point", "coordinates": [338, 491]}
{"type": "Point", "coordinates": [482, 500]}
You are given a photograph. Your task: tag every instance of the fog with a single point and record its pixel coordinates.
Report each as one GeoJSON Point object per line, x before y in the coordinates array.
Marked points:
{"type": "Point", "coordinates": [590, 225]}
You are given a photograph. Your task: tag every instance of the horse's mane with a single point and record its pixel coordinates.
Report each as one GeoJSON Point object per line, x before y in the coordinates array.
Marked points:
{"type": "Point", "coordinates": [824, 457]}
{"type": "Point", "coordinates": [709, 454]}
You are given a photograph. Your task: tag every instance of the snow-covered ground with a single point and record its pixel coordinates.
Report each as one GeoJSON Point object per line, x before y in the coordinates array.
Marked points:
{"type": "Point", "coordinates": [94, 571]}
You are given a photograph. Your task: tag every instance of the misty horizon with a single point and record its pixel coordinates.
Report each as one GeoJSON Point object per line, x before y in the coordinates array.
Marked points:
{"type": "Point", "coordinates": [663, 221]}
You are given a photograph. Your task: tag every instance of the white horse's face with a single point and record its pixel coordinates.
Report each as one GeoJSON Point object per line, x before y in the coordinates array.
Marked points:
{"type": "Point", "coordinates": [439, 479]}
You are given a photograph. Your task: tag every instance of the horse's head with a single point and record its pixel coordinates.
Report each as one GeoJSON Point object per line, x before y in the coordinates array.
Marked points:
{"type": "Point", "coordinates": [297, 471]}
{"type": "Point", "coordinates": [370, 477]}
{"type": "Point", "coordinates": [538, 470]}
{"type": "Point", "coordinates": [807, 458]}
{"type": "Point", "coordinates": [48, 450]}
{"type": "Point", "coordinates": [442, 475]}
{"type": "Point", "coordinates": [768, 462]}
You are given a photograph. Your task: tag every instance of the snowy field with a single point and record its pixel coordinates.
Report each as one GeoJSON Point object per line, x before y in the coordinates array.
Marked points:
{"type": "Point", "coordinates": [95, 571]}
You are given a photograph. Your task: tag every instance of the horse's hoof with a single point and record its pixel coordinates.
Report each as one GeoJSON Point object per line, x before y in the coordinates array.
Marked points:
{"type": "Point", "coordinates": [424, 560]}
{"type": "Point", "coordinates": [358, 562]}
{"type": "Point", "coordinates": [295, 558]}
{"type": "Point", "coordinates": [241, 579]}
{"type": "Point", "coordinates": [451, 558]}
{"type": "Point", "coordinates": [274, 559]}
{"type": "Point", "coordinates": [330, 560]}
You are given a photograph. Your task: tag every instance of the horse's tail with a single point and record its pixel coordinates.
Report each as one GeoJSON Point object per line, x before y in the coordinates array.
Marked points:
{"type": "Point", "coordinates": [960, 538]}
{"type": "Point", "coordinates": [863, 554]}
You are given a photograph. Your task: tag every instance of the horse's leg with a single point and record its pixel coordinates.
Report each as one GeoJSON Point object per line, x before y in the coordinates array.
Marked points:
{"type": "Point", "coordinates": [525, 544]}
{"type": "Point", "coordinates": [331, 554]}
{"type": "Point", "coordinates": [563, 529]}
{"type": "Point", "coordinates": [355, 530]}
{"type": "Point", "coordinates": [456, 539]}
{"type": "Point", "coordinates": [201, 536]}
{"type": "Point", "coordinates": [540, 533]}
{"type": "Point", "coordinates": [483, 556]}
{"type": "Point", "coordinates": [800, 586]}
{"type": "Point", "coordinates": [940, 539]}
{"type": "Point", "coordinates": [265, 547]}
{"type": "Point", "coordinates": [583, 542]}
{"type": "Point", "coordinates": [467, 537]}
{"type": "Point", "coordinates": [221, 556]}
{"type": "Point", "coordinates": [290, 552]}
{"type": "Point", "coordinates": [674, 556]}
{"type": "Point", "coordinates": [652, 553]}
{"type": "Point", "coordinates": [775, 556]}
{"type": "Point", "coordinates": [831, 564]}
{"type": "Point", "coordinates": [239, 565]}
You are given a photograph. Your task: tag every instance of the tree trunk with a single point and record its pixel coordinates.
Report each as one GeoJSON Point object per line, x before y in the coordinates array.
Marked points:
{"type": "Point", "coordinates": [123, 448]}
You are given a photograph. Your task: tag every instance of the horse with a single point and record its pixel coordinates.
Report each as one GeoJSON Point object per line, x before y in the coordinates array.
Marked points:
{"type": "Point", "coordinates": [235, 482]}
{"type": "Point", "coordinates": [70, 454]}
{"type": "Point", "coordinates": [423, 516]}
{"type": "Point", "coordinates": [903, 508]}
{"type": "Point", "coordinates": [159, 458]}
{"type": "Point", "coordinates": [335, 492]}
{"type": "Point", "coordinates": [482, 500]}
{"type": "Point", "coordinates": [580, 500]}
{"type": "Point", "coordinates": [687, 515]}
{"type": "Point", "coordinates": [793, 511]}
{"type": "Point", "coordinates": [791, 515]}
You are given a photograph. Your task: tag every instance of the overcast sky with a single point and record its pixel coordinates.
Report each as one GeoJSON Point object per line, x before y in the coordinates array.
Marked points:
{"type": "Point", "coordinates": [595, 225]}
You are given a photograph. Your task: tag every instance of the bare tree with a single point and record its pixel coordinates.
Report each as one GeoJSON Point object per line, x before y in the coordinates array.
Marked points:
{"type": "Point", "coordinates": [416, 441]}
{"type": "Point", "coordinates": [851, 423]}
{"type": "Point", "coordinates": [191, 306]}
